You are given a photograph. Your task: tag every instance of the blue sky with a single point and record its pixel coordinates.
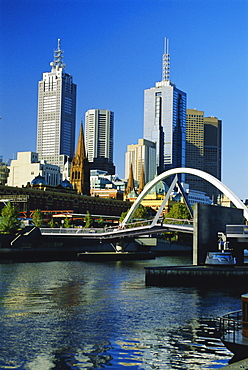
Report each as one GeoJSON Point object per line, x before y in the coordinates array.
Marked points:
{"type": "Point", "coordinates": [113, 49]}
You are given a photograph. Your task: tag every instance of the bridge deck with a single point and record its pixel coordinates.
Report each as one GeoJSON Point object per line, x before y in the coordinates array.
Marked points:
{"type": "Point", "coordinates": [116, 233]}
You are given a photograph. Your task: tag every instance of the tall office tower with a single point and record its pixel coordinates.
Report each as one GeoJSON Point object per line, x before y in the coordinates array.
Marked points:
{"type": "Point", "coordinates": [203, 147]}
{"type": "Point", "coordinates": [195, 147]}
{"type": "Point", "coordinates": [56, 114]}
{"type": "Point", "coordinates": [212, 152]}
{"type": "Point", "coordinates": [99, 137]}
{"type": "Point", "coordinates": [165, 119]}
{"type": "Point", "coordinates": [141, 155]}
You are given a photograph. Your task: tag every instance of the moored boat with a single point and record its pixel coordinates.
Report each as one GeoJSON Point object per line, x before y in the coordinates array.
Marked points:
{"type": "Point", "coordinates": [221, 258]}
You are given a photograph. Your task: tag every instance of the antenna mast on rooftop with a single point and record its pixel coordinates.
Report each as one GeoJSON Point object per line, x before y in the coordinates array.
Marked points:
{"type": "Point", "coordinates": [166, 61]}
{"type": "Point", "coordinates": [58, 58]}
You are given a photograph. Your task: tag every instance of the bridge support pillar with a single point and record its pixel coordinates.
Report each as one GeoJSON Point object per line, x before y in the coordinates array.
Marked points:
{"type": "Point", "coordinates": [208, 221]}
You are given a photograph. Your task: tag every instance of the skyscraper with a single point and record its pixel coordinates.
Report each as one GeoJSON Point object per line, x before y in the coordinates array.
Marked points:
{"type": "Point", "coordinates": [141, 156]}
{"type": "Point", "coordinates": [203, 138]}
{"type": "Point", "coordinates": [56, 114]}
{"type": "Point", "coordinates": [212, 151]}
{"type": "Point", "coordinates": [99, 133]}
{"type": "Point", "coordinates": [165, 119]}
{"type": "Point", "coordinates": [195, 147]}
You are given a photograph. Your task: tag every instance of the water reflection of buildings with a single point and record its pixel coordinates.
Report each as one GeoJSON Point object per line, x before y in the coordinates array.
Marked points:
{"type": "Point", "coordinates": [91, 315]}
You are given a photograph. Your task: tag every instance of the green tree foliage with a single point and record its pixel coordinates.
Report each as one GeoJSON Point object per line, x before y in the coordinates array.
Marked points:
{"type": "Point", "coordinates": [179, 211]}
{"type": "Point", "coordinates": [88, 220]}
{"type": "Point", "coordinates": [123, 215]}
{"type": "Point", "coordinates": [140, 213]}
{"type": "Point", "coordinates": [51, 223]}
{"type": "Point", "coordinates": [9, 221]}
{"type": "Point", "coordinates": [100, 222]}
{"type": "Point", "coordinates": [37, 218]}
{"type": "Point", "coordinates": [67, 223]}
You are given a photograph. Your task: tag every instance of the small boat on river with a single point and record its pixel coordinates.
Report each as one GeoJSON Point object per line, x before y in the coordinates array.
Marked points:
{"type": "Point", "coordinates": [221, 258]}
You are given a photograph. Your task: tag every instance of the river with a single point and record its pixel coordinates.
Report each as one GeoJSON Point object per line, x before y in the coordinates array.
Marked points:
{"type": "Point", "coordinates": [86, 315]}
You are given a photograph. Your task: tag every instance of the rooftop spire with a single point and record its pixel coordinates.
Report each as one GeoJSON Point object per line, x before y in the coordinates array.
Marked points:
{"type": "Point", "coordinates": [166, 61]}
{"type": "Point", "coordinates": [130, 182]}
{"type": "Point", "coordinates": [58, 58]}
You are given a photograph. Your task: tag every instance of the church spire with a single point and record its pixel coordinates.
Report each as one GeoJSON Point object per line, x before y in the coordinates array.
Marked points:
{"type": "Point", "coordinates": [81, 147]}
{"type": "Point", "coordinates": [166, 61]}
{"type": "Point", "coordinates": [58, 58]}
{"type": "Point", "coordinates": [80, 172]}
{"type": "Point", "coordinates": [141, 180]}
{"type": "Point", "coordinates": [130, 183]}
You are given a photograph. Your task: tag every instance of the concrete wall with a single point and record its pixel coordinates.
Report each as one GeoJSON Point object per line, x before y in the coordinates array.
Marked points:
{"type": "Point", "coordinates": [208, 221]}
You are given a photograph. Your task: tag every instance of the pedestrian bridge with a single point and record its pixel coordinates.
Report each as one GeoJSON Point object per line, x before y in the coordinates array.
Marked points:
{"type": "Point", "coordinates": [138, 229]}
{"type": "Point", "coordinates": [127, 229]}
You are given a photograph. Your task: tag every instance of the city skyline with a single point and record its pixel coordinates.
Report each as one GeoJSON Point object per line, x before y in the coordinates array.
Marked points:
{"type": "Point", "coordinates": [113, 62]}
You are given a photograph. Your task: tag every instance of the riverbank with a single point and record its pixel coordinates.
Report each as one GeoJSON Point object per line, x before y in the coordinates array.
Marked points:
{"type": "Point", "coordinates": [30, 245]}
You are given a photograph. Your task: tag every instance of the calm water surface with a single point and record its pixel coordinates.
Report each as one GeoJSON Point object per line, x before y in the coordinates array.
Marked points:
{"type": "Point", "coordinates": [79, 315]}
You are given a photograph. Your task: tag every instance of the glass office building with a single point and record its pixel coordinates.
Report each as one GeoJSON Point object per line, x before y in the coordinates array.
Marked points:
{"type": "Point", "coordinates": [165, 120]}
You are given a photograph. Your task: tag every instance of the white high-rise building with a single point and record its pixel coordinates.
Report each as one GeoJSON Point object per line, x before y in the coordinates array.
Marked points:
{"type": "Point", "coordinates": [99, 130]}
{"type": "Point", "coordinates": [165, 119]}
{"type": "Point", "coordinates": [56, 114]}
{"type": "Point", "coordinates": [141, 155]}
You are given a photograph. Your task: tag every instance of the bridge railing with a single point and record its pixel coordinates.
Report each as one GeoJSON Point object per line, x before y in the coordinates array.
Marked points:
{"type": "Point", "coordinates": [110, 229]}
{"type": "Point", "coordinates": [176, 221]}
{"type": "Point", "coordinates": [71, 231]}
{"type": "Point", "coordinates": [161, 221]}
{"type": "Point", "coordinates": [237, 229]}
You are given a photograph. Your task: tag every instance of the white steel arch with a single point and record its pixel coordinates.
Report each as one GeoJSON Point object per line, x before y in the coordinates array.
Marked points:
{"type": "Point", "coordinates": [192, 171]}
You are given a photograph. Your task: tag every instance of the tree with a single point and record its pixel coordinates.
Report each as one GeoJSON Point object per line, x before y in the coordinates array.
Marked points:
{"type": "Point", "coordinates": [88, 220]}
{"type": "Point", "coordinates": [100, 222]}
{"type": "Point", "coordinates": [123, 215]}
{"type": "Point", "coordinates": [67, 223]}
{"type": "Point", "coordinates": [140, 213]}
{"type": "Point", "coordinates": [179, 211]}
{"type": "Point", "coordinates": [9, 221]}
{"type": "Point", "coordinates": [51, 223]}
{"type": "Point", "coordinates": [37, 218]}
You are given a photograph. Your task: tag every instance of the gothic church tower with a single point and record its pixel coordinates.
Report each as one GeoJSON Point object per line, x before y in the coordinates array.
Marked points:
{"type": "Point", "coordinates": [80, 172]}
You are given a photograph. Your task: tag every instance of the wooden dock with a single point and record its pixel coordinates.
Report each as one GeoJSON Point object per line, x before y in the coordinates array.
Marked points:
{"type": "Point", "coordinates": [204, 276]}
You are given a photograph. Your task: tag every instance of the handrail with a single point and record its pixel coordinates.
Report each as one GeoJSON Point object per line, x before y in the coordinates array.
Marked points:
{"type": "Point", "coordinates": [162, 220]}
{"type": "Point", "coordinates": [231, 324]}
{"type": "Point", "coordinates": [237, 229]}
{"type": "Point", "coordinates": [147, 224]}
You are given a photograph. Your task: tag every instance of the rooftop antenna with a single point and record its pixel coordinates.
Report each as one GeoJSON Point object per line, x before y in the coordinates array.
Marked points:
{"type": "Point", "coordinates": [58, 58]}
{"type": "Point", "coordinates": [166, 61]}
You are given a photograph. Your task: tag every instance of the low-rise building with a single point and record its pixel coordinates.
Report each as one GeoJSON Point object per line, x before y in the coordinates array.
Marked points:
{"type": "Point", "coordinates": [106, 186]}
{"type": "Point", "coordinates": [52, 200]}
{"type": "Point", "coordinates": [27, 166]}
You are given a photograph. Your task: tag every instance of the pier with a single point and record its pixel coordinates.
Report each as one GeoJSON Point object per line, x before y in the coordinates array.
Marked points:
{"type": "Point", "coordinates": [194, 276]}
